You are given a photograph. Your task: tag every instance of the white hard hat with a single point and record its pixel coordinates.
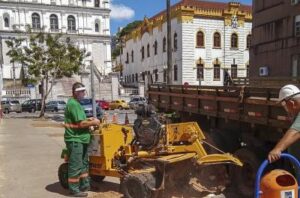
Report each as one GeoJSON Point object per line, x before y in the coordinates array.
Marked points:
{"type": "Point", "coordinates": [287, 92]}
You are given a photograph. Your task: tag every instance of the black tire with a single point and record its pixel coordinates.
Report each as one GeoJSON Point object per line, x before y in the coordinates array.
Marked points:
{"type": "Point", "coordinates": [6, 111]}
{"type": "Point", "coordinates": [134, 186]}
{"type": "Point", "coordinates": [97, 178]}
{"type": "Point", "coordinates": [244, 177]}
{"type": "Point", "coordinates": [63, 175]}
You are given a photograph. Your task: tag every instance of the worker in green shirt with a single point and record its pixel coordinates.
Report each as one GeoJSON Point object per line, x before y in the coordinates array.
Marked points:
{"type": "Point", "coordinates": [77, 138]}
{"type": "Point", "coordinates": [289, 97]}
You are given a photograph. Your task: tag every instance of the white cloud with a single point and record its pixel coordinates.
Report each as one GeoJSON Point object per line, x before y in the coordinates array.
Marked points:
{"type": "Point", "coordinates": [120, 12]}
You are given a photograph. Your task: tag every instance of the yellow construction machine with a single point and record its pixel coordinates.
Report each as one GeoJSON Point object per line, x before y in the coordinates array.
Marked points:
{"type": "Point", "coordinates": [152, 156]}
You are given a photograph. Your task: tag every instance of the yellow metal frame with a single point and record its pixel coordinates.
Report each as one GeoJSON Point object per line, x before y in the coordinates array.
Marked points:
{"type": "Point", "coordinates": [182, 142]}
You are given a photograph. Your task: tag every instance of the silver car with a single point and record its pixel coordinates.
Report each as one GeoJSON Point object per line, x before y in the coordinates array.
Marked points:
{"type": "Point", "coordinates": [137, 101]}
{"type": "Point", "coordinates": [56, 105]}
{"type": "Point", "coordinates": [11, 106]}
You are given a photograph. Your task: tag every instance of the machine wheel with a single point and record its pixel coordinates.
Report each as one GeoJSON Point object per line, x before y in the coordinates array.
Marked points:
{"type": "Point", "coordinates": [97, 178]}
{"type": "Point", "coordinates": [134, 186]}
{"type": "Point", "coordinates": [244, 177]}
{"type": "Point", "coordinates": [63, 175]}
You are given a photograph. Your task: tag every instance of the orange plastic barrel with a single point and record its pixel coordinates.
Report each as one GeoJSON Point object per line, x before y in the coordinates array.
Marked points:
{"type": "Point", "coordinates": [279, 184]}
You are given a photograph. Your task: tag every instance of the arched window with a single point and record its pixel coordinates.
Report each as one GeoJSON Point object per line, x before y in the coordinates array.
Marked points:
{"type": "Point", "coordinates": [143, 52]}
{"type": "Point", "coordinates": [200, 39]}
{"type": "Point", "coordinates": [53, 22]}
{"type": "Point", "coordinates": [96, 27]}
{"type": "Point", "coordinates": [132, 56]}
{"type": "Point", "coordinates": [175, 42]}
{"type": "Point", "coordinates": [71, 23]}
{"type": "Point", "coordinates": [155, 47]}
{"type": "Point", "coordinates": [248, 41]}
{"type": "Point", "coordinates": [97, 3]}
{"type": "Point", "coordinates": [127, 58]}
{"type": "Point", "coordinates": [136, 77]}
{"type": "Point", "coordinates": [164, 44]}
{"type": "Point", "coordinates": [175, 73]}
{"type": "Point", "coordinates": [36, 22]}
{"type": "Point", "coordinates": [6, 21]}
{"type": "Point", "coordinates": [217, 40]}
{"type": "Point", "coordinates": [234, 40]}
{"type": "Point", "coordinates": [148, 50]}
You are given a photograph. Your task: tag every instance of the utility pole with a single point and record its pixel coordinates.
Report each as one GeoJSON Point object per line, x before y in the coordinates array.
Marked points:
{"type": "Point", "coordinates": [169, 44]}
{"type": "Point", "coordinates": [92, 89]}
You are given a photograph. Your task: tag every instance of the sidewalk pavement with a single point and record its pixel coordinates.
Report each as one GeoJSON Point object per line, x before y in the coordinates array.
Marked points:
{"type": "Point", "coordinates": [29, 158]}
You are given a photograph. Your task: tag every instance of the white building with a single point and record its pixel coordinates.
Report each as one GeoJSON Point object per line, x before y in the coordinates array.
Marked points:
{"type": "Point", "coordinates": [207, 38]}
{"type": "Point", "coordinates": [86, 22]}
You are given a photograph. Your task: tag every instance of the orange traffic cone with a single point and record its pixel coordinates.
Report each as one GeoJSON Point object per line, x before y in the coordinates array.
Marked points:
{"type": "Point", "coordinates": [126, 119]}
{"type": "Point", "coordinates": [114, 118]}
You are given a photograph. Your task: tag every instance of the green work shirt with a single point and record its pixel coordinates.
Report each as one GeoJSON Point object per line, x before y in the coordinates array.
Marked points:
{"type": "Point", "coordinates": [74, 113]}
{"type": "Point", "coordinates": [296, 123]}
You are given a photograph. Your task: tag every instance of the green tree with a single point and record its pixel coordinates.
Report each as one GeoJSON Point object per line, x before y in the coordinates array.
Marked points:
{"type": "Point", "coordinates": [15, 53]}
{"type": "Point", "coordinates": [50, 57]}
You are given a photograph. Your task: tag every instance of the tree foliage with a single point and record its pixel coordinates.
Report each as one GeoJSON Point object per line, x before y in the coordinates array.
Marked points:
{"type": "Point", "coordinates": [49, 57]}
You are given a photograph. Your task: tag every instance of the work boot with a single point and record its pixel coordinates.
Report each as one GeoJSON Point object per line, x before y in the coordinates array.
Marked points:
{"type": "Point", "coordinates": [79, 194]}
{"type": "Point", "coordinates": [85, 189]}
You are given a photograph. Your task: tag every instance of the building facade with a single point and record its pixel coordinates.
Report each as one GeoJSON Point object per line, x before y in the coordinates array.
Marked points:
{"type": "Point", "coordinates": [275, 50]}
{"type": "Point", "coordinates": [87, 23]}
{"type": "Point", "coordinates": [207, 39]}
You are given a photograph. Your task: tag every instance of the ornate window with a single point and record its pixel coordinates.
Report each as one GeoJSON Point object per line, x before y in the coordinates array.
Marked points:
{"type": "Point", "coordinates": [97, 3]}
{"type": "Point", "coordinates": [127, 58]}
{"type": "Point", "coordinates": [132, 56]}
{"type": "Point", "coordinates": [164, 44]}
{"type": "Point", "coordinates": [148, 50]}
{"type": "Point", "coordinates": [71, 23]}
{"type": "Point", "coordinates": [217, 40]}
{"type": "Point", "coordinates": [175, 42]}
{"type": "Point", "coordinates": [216, 72]}
{"type": "Point", "coordinates": [175, 73]}
{"type": "Point", "coordinates": [143, 52]}
{"type": "Point", "coordinates": [248, 41]}
{"type": "Point", "coordinates": [234, 40]}
{"type": "Point", "coordinates": [53, 22]}
{"type": "Point", "coordinates": [155, 48]}
{"type": "Point", "coordinates": [233, 71]}
{"type": "Point", "coordinates": [36, 21]}
{"type": "Point", "coordinates": [200, 39]}
{"type": "Point", "coordinates": [96, 27]}
{"type": "Point", "coordinates": [6, 21]}
{"type": "Point", "coordinates": [200, 71]}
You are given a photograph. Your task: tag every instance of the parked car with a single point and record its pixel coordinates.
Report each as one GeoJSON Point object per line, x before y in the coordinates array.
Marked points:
{"type": "Point", "coordinates": [86, 103]}
{"type": "Point", "coordinates": [11, 106]}
{"type": "Point", "coordinates": [32, 105]}
{"type": "Point", "coordinates": [118, 104]}
{"type": "Point", "coordinates": [55, 105]}
{"type": "Point", "coordinates": [103, 104]}
{"type": "Point", "coordinates": [137, 101]}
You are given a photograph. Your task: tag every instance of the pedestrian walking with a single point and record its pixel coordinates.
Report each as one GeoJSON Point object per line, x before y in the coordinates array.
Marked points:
{"type": "Point", "coordinates": [77, 138]}
{"type": "Point", "coordinates": [289, 97]}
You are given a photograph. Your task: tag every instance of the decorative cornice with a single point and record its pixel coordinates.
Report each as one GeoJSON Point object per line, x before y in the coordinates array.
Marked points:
{"type": "Point", "coordinates": [97, 38]}
{"type": "Point", "coordinates": [49, 7]}
{"type": "Point", "coordinates": [186, 14]}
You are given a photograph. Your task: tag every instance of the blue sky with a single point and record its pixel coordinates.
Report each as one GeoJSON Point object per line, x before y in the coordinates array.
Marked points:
{"type": "Point", "coordinates": [126, 11]}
